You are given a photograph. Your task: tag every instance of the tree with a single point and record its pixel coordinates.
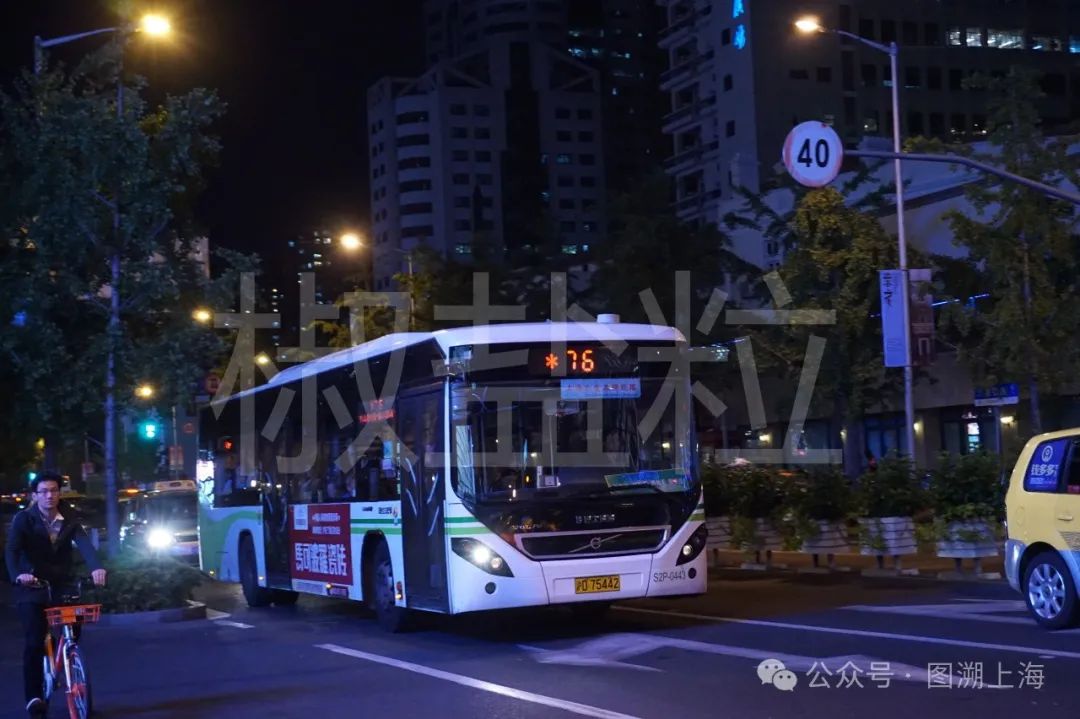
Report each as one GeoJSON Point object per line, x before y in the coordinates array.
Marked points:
{"type": "Point", "coordinates": [647, 245]}
{"type": "Point", "coordinates": [1023, 247]}
{"type": "Point", "coordinates": [833, 250]}
{"type": "Point", "coordinates": [100, 264]}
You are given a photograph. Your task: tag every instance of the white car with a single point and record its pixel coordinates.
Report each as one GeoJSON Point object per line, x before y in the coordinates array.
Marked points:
{"type": "Point", "coordinates": [164, 522]}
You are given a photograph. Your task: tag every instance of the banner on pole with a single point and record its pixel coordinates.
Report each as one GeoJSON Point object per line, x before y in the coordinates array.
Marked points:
{"type": "Point", "coordinates": [892, 318]}
{"type": "Point", "coordinates": [921, 304]}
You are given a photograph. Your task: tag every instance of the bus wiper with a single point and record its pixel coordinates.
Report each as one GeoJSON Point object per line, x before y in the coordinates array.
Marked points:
{"type": "Point", "coordinates": [618, 488]}
{"type": "Point", "coordinates": [621, 487]}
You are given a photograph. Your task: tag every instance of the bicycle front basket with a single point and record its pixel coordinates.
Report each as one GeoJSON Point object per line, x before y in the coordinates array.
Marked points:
{"type": "Point", "coordinates": [72, 614]}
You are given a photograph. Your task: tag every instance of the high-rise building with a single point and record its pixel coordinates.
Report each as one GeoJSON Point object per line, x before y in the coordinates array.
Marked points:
{"type": "Point", "coordinates": [313, 252]}
{"type": "Point", "coordinates": [529, 115]}
{"type": "Point", "coordinates": [500, 139]}
{"type": "Point", "coordinates": [619, 38]}
{"type": "Point", "coordinates": [332, 269]}
{"type": "Point", "coordinates": [740, 76]}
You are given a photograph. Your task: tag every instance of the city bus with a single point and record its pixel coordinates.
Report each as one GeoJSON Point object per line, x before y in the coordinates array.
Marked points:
{"type": "Point", "coordinates": [461, 470]}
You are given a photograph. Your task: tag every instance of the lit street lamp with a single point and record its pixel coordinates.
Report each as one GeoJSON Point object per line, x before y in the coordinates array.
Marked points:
{"type": "Point", "coordinates": [812, 25]}
{"type": "Point", "coordinates": [262, 359]}
{"type": "Point", "coordinates": [153, 25]}
{"type": "Point", "coordinates": [351, 242]}
{"type": "Point", "coordinates": [144, 391]}
{"type": "Point", "coordinates": [202, 315]}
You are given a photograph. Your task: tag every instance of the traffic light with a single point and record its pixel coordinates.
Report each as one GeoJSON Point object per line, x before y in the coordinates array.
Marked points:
{"type": "Point", "coordinates": [149, 429]}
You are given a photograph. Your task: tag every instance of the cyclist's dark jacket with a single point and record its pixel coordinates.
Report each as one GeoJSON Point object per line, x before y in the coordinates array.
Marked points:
{"type": "Point", "coordinates": [29, 551]}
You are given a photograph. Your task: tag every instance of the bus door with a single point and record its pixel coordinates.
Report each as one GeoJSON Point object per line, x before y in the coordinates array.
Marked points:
{"type": "Point", "coordinates": [423, 490]}
{"type": "Point", "coordinates": [275, 514]}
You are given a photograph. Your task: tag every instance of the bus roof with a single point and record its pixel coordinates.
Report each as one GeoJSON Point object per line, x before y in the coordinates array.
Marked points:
{"type": "Point", "coordinates": [506, 333]}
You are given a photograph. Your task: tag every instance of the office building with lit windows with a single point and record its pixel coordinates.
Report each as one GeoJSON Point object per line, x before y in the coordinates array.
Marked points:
{"type": "Point", "coordinates": [739, 76]}
{"type": "Point", "coordinates": [528, 114]}
{"type": "Point", "coordinates": [315, 252]}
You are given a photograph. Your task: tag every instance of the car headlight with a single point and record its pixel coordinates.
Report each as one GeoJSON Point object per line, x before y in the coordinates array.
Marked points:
{"type": "Point", "coordinates": [480, 555]}
{"type": "Point", "coordinates": [159, 538]}
{"type": "Point", "coordinates": [693, 546]}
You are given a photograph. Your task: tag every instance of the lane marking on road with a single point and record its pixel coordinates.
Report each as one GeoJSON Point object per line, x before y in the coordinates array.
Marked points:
{"type": "Point", "coordinates": [608, 651]}
{"type": "Point", "coordinates": [213, 614]}
{"type": "Point", "coordinates": [231, 623]}
{"type": "Point", "coordinates": [979, 611]}
{"type": "Point", "coordinates": [1019, 649]}
{"type": "Point", "coordinates": [511, 692]}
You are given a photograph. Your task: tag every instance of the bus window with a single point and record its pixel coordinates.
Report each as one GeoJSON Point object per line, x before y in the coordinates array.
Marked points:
{"type": "Point", "coordinates": [389, 467]}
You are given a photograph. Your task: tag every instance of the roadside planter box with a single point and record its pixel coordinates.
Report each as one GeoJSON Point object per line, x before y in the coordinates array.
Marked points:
{"type": "Point", "coordinates": [967, 494]}
{"type": "Point", "coordinates": [765, 537]}
{"type": "Point", "coordinates": [887, 536]}
{"type": "Point", "coordinates": [830, 538]}
{"type": "Point", "coordinates": [968, 540]}
{"type": "Point", "coordinates": [757, 536]}
{"type": "Point", "coordinates": [719, 533]}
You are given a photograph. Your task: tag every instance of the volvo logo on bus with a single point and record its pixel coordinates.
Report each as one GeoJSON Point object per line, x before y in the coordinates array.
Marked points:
{"type": "Point", "coordinates": [594, 518]}
{"type": "Point", "coordinates": [596, 543]}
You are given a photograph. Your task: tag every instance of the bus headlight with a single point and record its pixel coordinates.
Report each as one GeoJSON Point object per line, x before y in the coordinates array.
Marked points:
{"type": "Point", "coordinates": [160, 538]}
{"type": "Point", "coordinates": [693, 546]}
{"type": "Point", "coordinates": [480, 555]}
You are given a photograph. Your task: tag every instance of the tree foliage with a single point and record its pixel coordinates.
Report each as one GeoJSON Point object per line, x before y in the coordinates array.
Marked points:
{"type": "Point", "coordinates": [645, 249]}
{"type": "Point", "coordinates": [833, 250]}
{"type": "Point", "coordinates": [83, 184]}
{"type": "Point", "coordinates": [1023, 248]}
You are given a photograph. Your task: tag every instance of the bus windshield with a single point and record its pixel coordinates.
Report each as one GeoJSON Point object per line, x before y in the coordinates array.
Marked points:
{"type": "Point", "coordinates": [530, 442]}
{"type": "Point", "coordinates": [180, 507]}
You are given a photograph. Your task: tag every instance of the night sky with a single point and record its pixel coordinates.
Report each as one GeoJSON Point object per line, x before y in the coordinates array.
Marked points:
{"type": "Point", "coordinates": [294, 75]}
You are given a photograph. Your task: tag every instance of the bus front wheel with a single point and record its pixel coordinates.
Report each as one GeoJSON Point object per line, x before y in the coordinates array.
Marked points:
{"type": "Point", "coordinates": [383, 600]}
{"type": "Point", "coordinates": [255, 595]}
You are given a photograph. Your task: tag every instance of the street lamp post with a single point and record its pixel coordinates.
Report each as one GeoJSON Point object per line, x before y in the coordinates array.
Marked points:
{"type": "Point", "coordinates": [810, 25]}
{"type": "Point", "coordinates": [151, 25]}
{"type": "Point", "coordinates": [412, 301]}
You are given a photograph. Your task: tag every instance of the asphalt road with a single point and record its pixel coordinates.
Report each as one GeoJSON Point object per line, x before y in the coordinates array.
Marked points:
{"type": "Point", "coordinates": [850, 648]}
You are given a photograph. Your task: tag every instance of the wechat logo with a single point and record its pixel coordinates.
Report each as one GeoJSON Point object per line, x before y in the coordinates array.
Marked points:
{"type": "Point", "coordinates": [773, 671]}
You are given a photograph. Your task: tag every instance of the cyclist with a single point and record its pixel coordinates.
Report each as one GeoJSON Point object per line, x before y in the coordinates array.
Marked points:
{"type": "Point", "coordinates": [39, 547]}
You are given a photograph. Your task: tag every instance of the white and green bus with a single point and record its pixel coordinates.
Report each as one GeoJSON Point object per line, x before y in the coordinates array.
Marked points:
{"type": "Point", "coordinates": [461, 470]}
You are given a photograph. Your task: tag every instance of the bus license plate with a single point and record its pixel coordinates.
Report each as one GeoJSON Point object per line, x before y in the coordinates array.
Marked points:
{"type": "Point", "coordinates": [591, 585]}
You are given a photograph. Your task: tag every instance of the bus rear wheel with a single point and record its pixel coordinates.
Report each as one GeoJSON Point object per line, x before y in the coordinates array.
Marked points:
{"type": "Point", "coordinates": [255, 595]}
{"type": "Point", "coordinates": [383, 600]}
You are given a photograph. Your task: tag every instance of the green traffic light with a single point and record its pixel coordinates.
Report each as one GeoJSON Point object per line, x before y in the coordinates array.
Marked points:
{"type": "Point", "coordinates": [148, 430]}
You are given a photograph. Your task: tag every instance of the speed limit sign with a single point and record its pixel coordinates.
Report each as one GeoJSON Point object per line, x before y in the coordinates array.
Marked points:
{"type": "Point", "coordinates": [813, 154]}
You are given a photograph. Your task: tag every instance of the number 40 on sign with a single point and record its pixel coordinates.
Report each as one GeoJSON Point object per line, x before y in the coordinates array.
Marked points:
{"type": "Point", "coordinates": [813, 154]}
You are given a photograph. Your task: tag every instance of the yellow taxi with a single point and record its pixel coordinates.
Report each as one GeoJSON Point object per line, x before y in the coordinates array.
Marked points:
{"type": "Point", "coordinates": [1042, 506]}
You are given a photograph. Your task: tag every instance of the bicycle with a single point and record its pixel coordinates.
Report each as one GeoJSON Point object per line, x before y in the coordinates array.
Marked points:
{"type": "Point", "coordinates": [64, 662]}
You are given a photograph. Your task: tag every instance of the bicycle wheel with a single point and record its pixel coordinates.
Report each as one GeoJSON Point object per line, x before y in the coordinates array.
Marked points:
{"type": "Point", "coordinates": [80, 700]}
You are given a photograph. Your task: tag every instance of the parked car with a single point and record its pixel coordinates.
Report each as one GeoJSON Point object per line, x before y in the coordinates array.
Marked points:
{"type": "Point", "coordinates": [1042, 506]}
{"type": "Point", "coordinates": [164, 521]}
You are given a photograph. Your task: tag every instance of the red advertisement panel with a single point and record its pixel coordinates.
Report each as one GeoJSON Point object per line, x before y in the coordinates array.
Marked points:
{"type": "Point", "coordinates": [321, 545]}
